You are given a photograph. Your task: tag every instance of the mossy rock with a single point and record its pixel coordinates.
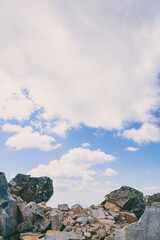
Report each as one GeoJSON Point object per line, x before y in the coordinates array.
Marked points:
{"type": "Point", "coordinates": [32, 188]}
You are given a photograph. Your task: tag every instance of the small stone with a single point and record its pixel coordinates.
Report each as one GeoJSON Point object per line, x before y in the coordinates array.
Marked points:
{"type": "Point", "coordinates": [116, 216]}
{"type": "Point", "coordinates": [82, 220]}
{"type": "Point", "coordinates": [76, 206]}
{"type": "Point", "coordinates": [102, 233]}
{"type": "Point", "coordinates": [87, 234]}
{"type": "Point", "coordinates": [98, 213]}
{"type": "Point", "coordinates": [63, 207]}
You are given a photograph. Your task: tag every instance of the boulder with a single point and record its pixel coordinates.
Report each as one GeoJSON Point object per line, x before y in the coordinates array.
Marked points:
{"type": "Point", "coordinates": [111, 206]}
{"type": "Point", "coordinates": [56, 220]}
{"type": "Point", "coordinates": [148, 227]}
{"type": "Point", "coordinates": [76, 206]}
{"type": "Point", "coordinates": [8, 209]}
{"type": "Point", "coordinates": [32, 188]}
{"type": "Point", "coordinates": [121, 196]}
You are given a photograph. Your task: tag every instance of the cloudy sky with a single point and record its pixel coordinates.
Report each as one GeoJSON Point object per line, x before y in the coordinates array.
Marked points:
{"type": "Point", "coordinates": [80, 95]}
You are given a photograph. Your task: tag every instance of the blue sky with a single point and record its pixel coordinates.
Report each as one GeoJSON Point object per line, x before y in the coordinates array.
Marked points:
{"type": "Point", "coordinates": [80, 94]}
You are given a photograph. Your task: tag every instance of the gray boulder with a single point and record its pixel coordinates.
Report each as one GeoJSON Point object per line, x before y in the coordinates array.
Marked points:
{"type": "Point", "coordinates": [32, 188]}
{"type": "Point", "coordinates": [56, 220]}
{"type": "Point", "coordinates": [147, 228]}
{"type": "Point", "coordinates": [8, 209]}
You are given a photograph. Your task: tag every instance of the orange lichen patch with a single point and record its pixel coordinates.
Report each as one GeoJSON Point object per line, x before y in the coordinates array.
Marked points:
{"type": "Point", "coordinates": [51, 232]}
{"type": "Point", "coordinates": [31, 237]}
{"type": "Point", "coordinates": [130, 218]}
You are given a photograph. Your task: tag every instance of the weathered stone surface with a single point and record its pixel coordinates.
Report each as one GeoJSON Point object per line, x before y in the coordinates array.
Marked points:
{"type": "Point", "coordinates": [24, 226]}
{"type": "Point", "coordinates": [154, 199]}
{"type": "Point", "coordinates": [136, 205]}
{"type": "Point", "coordinates": [1, 238]}
{"type": "Point", "coordinates": [111, 206]}
{"type": "Point", "coordinates": [130, 217]}
{"type": "Point", "coordinates": [56, 220]}
{"type": "Point", "coordinates": [41, 224]}
{"type": "Point", "coordinates": [116, 216]}
{"type": "Point", "coordinates": [8, 209]}
{"type": "Point", "coordinates": [82, 220]}
{"type": "Point", "coordinates": [24, 211]}
{"type": "Point", "coordinates": [76, 206]}
{"type": "Point", "coordinates": [50, 235]}
{"type": "Point", "coordinates": [63, 207]}
{"type": "Point", "coordinates": [31, 188]}
{"type": "Point", "coordinates": [148, 227]}
{"type": "Point", "coordinates": [121, 196]}
{"type": "Point", "coordinates": [98, 213]}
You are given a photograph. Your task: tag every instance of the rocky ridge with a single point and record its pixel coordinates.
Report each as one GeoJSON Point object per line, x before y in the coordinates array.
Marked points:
{"type": "Point", "coordinates": [24, 214]}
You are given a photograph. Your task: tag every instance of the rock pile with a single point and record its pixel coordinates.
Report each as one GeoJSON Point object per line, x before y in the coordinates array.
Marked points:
{"type": "Point", "coordinates": [25, 214]}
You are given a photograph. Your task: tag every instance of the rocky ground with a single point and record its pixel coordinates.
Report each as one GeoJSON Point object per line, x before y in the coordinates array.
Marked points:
{"type": "Point", "coordinates": [24, 214]}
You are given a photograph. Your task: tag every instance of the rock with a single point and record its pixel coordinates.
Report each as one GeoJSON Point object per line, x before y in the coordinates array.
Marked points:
{"type": "Point", "coordinates": [56, 220]}
{"type": "Point", "coordinates": [148, 227]}
{"type": "Point", "coordinates": [154, 199]}
{"type": "Point", "coordinates": [116, 216]}
{"type": "Point", "coordinates": [98, 213]}
{"type": "Point", "coordinates": [41, 224]}
{"type": "Point", "coordinates": [24, 226]}
{"type": "Point", "coordinates": [130, 217]}
{"type": "Point", "coordinates": [121, 196]}
{"type": "Point", "coordinates": [136, 205]}
{"type": "Point", "coordinates": [56, 235]}
{"type": "Point", "coordinates": [32, 188]}
{"type": "Point", "coordinates": [111, 206]}
{"type": "Point", "coordinates": [63, 207]}
{"type": "Point", "coordinates": [8, 209]}
{"type": "Point", "coordinates": [30, 237]}
{"type": "Point", "coordinates": [87, 234]}
{"type": "Point", "coordinates": [102, 233]}
{"type": "Point", "coordinates": [76, 206]}
{"type": "Point", "coordinates": [24, 211]}
{"type": "Point", "coordinates": [36, 209]}
{"type": "Point", "coordinates": [82, 220]}
{"type": "Point", "coordinates": [1, 238]}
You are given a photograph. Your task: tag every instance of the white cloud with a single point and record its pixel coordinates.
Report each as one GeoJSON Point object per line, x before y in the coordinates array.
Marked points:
{"type": "Point", "coordinates": [96, 80]}
{"type": "Point", "coordinates": [108, 182]}
{"type": "Point", "coordinates": [131, 149]}
{"type": "Point", "coordinates": [27, 138]}
{"type": "Point", "coordinates": [150, 190]}
{"type": "Point", "coordinates": [11, 128]}
{"type": "Point", "coordinates": [73, 171]}
{"type": "Point", "coordinates": [86, 145]}
{"type": "Point", "coordinates": [59, 127]}
{"type": "Point", "coordinates": [147, 133]}
{"type": "Point", "coordinates": [13, 102]}
{"type": "Point", "coordinates": [110, 172]}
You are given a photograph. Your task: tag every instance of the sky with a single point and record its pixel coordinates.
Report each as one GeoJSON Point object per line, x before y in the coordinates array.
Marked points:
{"type": "Point", "coordinates": [80, 95]}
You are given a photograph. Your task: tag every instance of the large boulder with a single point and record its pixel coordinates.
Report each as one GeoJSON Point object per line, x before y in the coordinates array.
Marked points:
{"type": "Point", "coordinates": [148, 227]}
{"type": "Point", "coordinates": [32, 188]}
{"type": "Point", "coordinates": [121, 196]}
{"type": "Point", "coordinates": [8, 209]}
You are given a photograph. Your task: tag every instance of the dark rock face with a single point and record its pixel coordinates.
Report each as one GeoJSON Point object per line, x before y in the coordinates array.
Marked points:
{"type": "Point", "coordinates": [136, 205]}
{"type": "Point", "coordinates": [153, 200]}
{"type": "Point", "coordinates": [32, 188]}
{"type": "Point", "coordinates": [8, 209]}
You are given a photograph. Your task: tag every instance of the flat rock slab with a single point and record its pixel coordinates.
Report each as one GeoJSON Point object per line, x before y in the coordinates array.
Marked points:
{"type": "Point", "coordinates": [56, 235]}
